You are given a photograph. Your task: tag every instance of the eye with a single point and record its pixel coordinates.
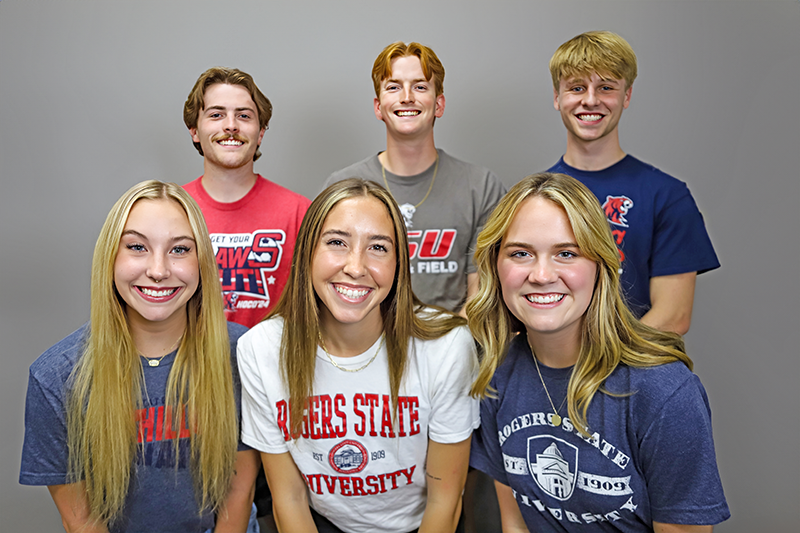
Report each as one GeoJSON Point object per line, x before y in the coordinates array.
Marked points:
{"type": "Point", "coordinates": [421, 87]}
{"type": "Point", "coordinates": [519, 254]}
{"type": "Point", "coordinates": [181, 249]}
{"type": "Point", "coordinates": [392, 87]}
{"type": "Point", "coordinates": [379, 248]}
{"type": "Point", "coordinates": [215, 115]}
{"type": "Point", "coordinates": [566, 254]}
{"type": "Point", "coordinates": [335, 242]}
{"type": "Point", "coordinates": [245, 116]}
{"type": "Point", "coordinates": [576, 89]}
{"type": "Point", "coordinates": [135, 247]}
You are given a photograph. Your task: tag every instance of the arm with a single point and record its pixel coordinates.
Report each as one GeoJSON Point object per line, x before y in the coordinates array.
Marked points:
{"type": "Point", "coordinates": [446, 473]}
{"type": "Point", "coordinates": [234, 515]}
{"type": "Point", "coordinates": [289, 494]}
{"type": "Point", "coordinates": [472, 288]}
{"type": "Point", "coordinates": [672, 298]}
{"type": "Point", "coordinates": [510, 515]}
{"type": "Point", "coordinates": [659, 527]}
{"type": "Point", "coordinates": [70, 499]}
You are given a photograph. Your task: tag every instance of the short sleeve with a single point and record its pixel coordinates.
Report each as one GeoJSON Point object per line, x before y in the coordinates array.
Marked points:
{"type": "Point", "coordinates": [259, 421]}
{"type": "Point", "coordinates": [454, 413]}
{"type": "Point", "coordinates": [485, 453]}
{"type": "Point", "coordinates": [680, 241]}
{"type": "Point", "coordinates": [487, 199]}
{"type": "Point", "coordinates": [679, 463]}
{"type": "Point", "coordinates": [44, 452]}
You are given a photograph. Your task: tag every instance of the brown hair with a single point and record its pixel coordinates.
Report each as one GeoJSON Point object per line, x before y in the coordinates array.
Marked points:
{"type": "Point", "coordinates": [432, 68]}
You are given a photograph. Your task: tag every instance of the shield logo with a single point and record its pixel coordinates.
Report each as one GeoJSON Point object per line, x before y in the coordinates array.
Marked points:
{"type": "Point", "coordinates": [553, 463]}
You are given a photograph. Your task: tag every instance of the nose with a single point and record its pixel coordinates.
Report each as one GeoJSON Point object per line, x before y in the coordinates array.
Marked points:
{"type": "Point", "coordinates": [408, 94]}
{"type": "Point", "coordinates": [230, 124]}
{"type": "Point", "coordinates": [354, 266]}
{"type": "Point", "coordinates": [158, 268]}
{"type": "Point", "coordinates": [542, 272]}
{"type": "Point", "coordinates": [590, 97]}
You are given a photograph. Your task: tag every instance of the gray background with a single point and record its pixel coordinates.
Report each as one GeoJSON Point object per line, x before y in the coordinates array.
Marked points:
{"type": "Point", "coordinates": [92, 93]}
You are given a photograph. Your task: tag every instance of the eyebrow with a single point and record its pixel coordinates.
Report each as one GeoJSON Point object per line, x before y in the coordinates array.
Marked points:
{"type": "Point", "coordinates": [144, 237]}
{"type": "Point", "coordinates": [223, 108]}
{"type": "Point", "coordinates": [342, 233]}
{"type": "Point", "coordinates": [528, 245]}
{"type": "Point", "coordinates": [418, 80]}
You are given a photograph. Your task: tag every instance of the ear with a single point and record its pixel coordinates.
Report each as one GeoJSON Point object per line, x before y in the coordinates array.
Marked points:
{"type": "Point", "coordinates": [627, 101]}
{"type": "Point", "coordinates": [438, 110]}
{"type": "Point", "coordinates": [377, 103]}
{"type": "Point", "coordinates": [555, 100]}
{"type": "Point", "coordinates": [261, 135]}
{"type": "Point", "coordinates": [193, 133]}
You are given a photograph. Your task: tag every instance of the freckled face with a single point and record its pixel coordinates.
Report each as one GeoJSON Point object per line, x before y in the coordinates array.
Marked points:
{"type": "Point", "coordinates": [546, 282]}
{"type": "Point", "coordinates": [354, 263]}
{"type": "Point", "coordinates": [156, 271]}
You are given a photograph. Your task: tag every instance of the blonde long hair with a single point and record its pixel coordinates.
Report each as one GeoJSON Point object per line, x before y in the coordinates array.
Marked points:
{"type": "Point", "coordinates": [106, 384]}
{"type": "Point", "coordinates": [610, 334]}
{"type": "Point", "coordinates": [299, 305]}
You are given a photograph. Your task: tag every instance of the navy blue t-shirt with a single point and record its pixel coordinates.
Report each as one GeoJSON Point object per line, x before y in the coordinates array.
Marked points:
{"type": "Point", "coordinates": [161, 498]}
{"type": "Point", "coordinates": [650, 456]}
{"type": "Point", "coordinates": [655, 222]}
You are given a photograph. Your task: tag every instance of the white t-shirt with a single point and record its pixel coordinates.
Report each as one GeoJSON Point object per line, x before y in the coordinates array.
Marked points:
{"type": "Point", "coordinates": [363, 473]}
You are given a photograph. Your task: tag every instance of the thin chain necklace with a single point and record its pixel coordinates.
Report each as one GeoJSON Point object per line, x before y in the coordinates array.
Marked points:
{"type": "Point", "coordinates": [435, 170]}
{"type": "Point", "coordinates": [334, 363]}
{"type": "Point", "coordinates": [155, 362]}
{"type": "Point", "coordinates": [556, 416]}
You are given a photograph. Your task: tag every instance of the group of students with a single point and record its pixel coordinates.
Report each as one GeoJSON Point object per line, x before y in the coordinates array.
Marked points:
{"type": "Point", "coordinates": [366, 403]}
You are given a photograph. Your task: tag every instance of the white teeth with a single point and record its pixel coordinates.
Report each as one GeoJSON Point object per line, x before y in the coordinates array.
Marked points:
{"type": "Point", "coordinates": [590, 118]}
{"type": "Point", "coordinates": [407, 113]}
{"type": "Point", "coordinates": [230, 142]}
{"type": "Point", "coordinates": [157, 294]}
{"type": "Point", "coordinates": [544, 299]}
{"type": "Point", "coordinates": [353, 294]}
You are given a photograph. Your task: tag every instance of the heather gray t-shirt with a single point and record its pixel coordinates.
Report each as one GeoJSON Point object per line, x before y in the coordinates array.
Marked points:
{"type": "Point", "coordinates": [442, 230]}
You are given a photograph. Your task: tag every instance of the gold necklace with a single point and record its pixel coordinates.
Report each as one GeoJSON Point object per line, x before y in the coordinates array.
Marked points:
{"type": "Point", "coordinates": [556, 416]}
{"type": "Point", "coordinates": [155, 362]}
{"type": "Point", "coordinates": [334, 363]}
{"type": "Point", "coordinates": [435, 170]}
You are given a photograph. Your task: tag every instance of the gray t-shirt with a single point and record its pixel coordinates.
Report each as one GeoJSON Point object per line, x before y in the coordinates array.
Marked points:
{"type": "Point", "coordinates": [442, 230]}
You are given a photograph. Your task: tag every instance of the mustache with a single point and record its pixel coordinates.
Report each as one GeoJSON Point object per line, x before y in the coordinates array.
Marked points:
{"type": "Point", "coordinates": [225, 136]}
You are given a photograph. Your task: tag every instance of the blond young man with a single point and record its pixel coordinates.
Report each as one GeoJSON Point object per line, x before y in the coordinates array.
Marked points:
{"type": "Point", "coordinates": [658, 229]}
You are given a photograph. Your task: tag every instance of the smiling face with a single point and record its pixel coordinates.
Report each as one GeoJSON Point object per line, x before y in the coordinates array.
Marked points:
{"type": "Point", "coordinates": [592, 106]}
{"type": "Point", "coordinates": [546, 283]}
{"type": "Point", "coordinates": [407, 102]}
{"type": "Point", "coordinates": [227, 128]}
{"type": "Point", "coordinates": [354, 263]}
{"type": "Point", "coordinates": [156, 270]}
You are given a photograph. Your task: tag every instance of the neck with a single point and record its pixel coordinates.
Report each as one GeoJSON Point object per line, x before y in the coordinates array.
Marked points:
{"type": "Point", "coordinates": [155, 339]}
{"type": "Point", "coordinates": [408, 157]}
{"type": "Point", "coordinates": [228, 185]}
{"type": "Point", "coordinates": [349, 340]}
{"type": "Point", "coordinates": [598, 154]}
{"type": "Point", "coordinates": [555, 350]}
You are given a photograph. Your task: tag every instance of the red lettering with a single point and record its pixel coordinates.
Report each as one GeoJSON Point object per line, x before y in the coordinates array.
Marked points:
{"type": "Point", "coordinates": [344, 486]}
{"type": "Point", "coordinates": [382, 478]}
{"type": "Point", "coordinates": [386, 418]}
{"type": "Point", "coordinates": [327, 413]}
{"type": "Point", "coordinates": [402, 402]}
{"type": "Point", "coordinates": [237, 257]}
{"type": "Point", "coordinates": [372, 484]}
{"type": "Point", "coordinates": [160, 423]}
{"type": "Point", "coordinates": [408, 473]}
{"type": "Point", "coordinates": [313, 417]}
{"type": "Point", "coordinates": [393, 475]}
{"type": "Point", "coordinates": [146, 419]}
{"type": "Point", "coordinates": [330, 481]}
{"type": "Point", "coordinates": [437, 244]}
{"type": "Point", "coordinates": [372, 401]}
{"type": "Point", "coordinates": [358, 399]}
{"type": "Point", "coordinates": [358, 486]}
{"type": "Point", "coordinates": [339, 401]}
{"type": "Point", "coordinates": [412, 246]}
{"type": "Point", "coordinates": [283, 419]}
{"type": "Point", "coordinates": [267, 245]}
{"type": "Point", "coordinates": [413, 415]}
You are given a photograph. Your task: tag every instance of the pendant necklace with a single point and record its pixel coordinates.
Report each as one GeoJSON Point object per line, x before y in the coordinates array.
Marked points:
{"type": "Point", "coordinates": [334, 363]}
{"type": "Point", "coordinates": [155, 362]}
{"type": "Point", "coordinates": [407, 209]}
{"type": "Point", "coordinates": [556, 416]}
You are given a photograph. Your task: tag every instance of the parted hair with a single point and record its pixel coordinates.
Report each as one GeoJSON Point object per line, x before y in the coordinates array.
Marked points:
{"type": "Point", "coordinates": [299, 304]}
{"type": "Point", "coordinates": [432, 68]}
{"type": "Point", "coordinates": [107, 382]}
{"type": "Point", "coordinates": [195, 102]}
{"type": "Point", "coordinates": [610, 334]}
{"type": "Point", "coordinates": [603, 52]}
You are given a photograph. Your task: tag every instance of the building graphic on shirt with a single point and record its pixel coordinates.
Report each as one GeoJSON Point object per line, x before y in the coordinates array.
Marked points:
{"type": "Point", "coordinates": [348, 457]}
{"type": "Point", "coordinates": [553, 470]}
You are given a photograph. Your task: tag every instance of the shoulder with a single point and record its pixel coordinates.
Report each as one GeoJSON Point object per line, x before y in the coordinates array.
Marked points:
{"type": "Point", "coordinates": [57, 362]}
{"type": "Point", "coordinates": [365, 169]}
{"type": "Point", "coordinates": [279, 193]}
{"type": "Point", "coordinates": [654, 387]}
{"type": "Point", "coordinates": [193, 186]}
{"type": "Point", "coordinates": [515, 364]}
{"type": "Point", "coordinates": [636, 168]}
{"type": "Point", "coordinates": [476, 175]}
{"type": "Point", "coordinates": [235, 331]}
{"type": "Point", "coordinates": [269, 330]}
